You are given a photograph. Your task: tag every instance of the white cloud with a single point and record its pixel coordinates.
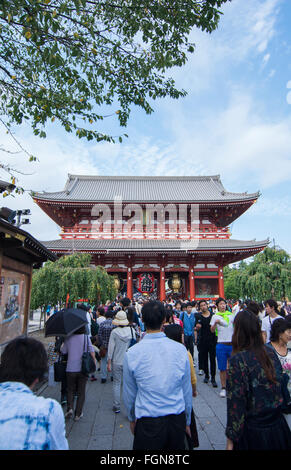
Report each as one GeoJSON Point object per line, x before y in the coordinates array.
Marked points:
{"type": "Point", "coordinates": [57, 158]}
{"type": "Point", "coordinates": [266, 59]}
{"type": "Point", "coordinates": [245, 31]}
{"type": "Point", "coordinates": [271, 207]}
{"type": "Point", "coordinates": [239, 141]}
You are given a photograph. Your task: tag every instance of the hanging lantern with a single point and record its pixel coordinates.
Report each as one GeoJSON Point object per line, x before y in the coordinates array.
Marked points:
{"type": "Point", "coordinates": [116, 281]}
{"type": "Point", "coordinates": [146, 283]}
{"type": "Point", "coordinates": [176, 283]}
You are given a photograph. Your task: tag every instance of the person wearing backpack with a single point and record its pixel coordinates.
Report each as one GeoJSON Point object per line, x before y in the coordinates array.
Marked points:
{"type": "Point", "coordinates": [188, 319]}
{"type": "Point", "coordinates": [122, 337]}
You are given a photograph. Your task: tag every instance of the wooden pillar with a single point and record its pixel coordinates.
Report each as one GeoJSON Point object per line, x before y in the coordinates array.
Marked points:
{"type": "Point", "coordinates": [186, 291]}
{"type": "Point", "coordinates": [28, 280]}
{"type": "Point", "coordinates": [191, 283]}
{"type": "Point", "coordinates": [220, 282]}
{"type": "Point", "coordinates": [162, 284]}
{"type": "Point", "coordinates": [129, 283]}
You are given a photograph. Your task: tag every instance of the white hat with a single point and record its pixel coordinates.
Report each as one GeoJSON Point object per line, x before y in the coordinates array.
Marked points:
{"type": "Point", "coordinates": [120, 319]}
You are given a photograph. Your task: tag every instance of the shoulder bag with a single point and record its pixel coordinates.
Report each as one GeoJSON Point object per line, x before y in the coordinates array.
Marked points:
{"type": "Point", "coordinates": [88, 363]}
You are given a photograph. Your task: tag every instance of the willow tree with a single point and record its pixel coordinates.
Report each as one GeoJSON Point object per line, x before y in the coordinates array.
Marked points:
{"type": "Point", "coordinates": [77, 62]}
{"type": "Point", "coordinates": [231, 288]}
{"type": "Point", "coordinates": [267, 276]}
{"type": "Point", "coordinates": [71, 275]}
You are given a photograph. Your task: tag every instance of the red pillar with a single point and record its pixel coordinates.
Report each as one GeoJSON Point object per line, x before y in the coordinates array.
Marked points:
{"type": "Point", "coordinates": [129, 284]}
{"type": "Point", "coordinates": [162, 284]}
{"type": "Point", "coordinates": [220, 282]}
{"type": "Point", "coordinates": [191, 283]}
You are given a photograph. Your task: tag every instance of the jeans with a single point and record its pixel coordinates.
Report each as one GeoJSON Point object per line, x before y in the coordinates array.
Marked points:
{"type": "Point", "coordinates": [76, 381]}
{"type": "Point", "coordinates": [103, 366]}
{"type": "Point", "coordinates": [117, 378]}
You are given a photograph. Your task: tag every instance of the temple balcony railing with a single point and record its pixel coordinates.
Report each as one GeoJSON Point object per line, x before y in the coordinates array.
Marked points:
{"type": "Point", "coordinates": [150, 235]}
{"type": "Point", "coordinates": [88, 229]}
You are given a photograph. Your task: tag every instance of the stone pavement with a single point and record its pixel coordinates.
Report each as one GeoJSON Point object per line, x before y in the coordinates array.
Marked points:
{"type": "Point", "coordinates": [102, 429]}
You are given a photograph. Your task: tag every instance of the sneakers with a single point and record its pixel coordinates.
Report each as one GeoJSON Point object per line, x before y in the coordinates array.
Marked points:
{"type": "Point", "coordinates": [214, 384]}
{"type": "Point", "coordinates": [116, 410]}
{"type": "Point", "coordinates": [201, 372]}
{"type": "Point", "coordinates": [69, 414]}
{"type": "Point", "coordinates": [206, 380]}
{"type": "Point", "coordinates": [63, 400]}
{"type": "Point", "coordinates": [93, 379]}
{"type": "Point", "coordinates": [103, 381]}
{"type": "Point", "coordinates": [223, 393]}
{"type": "Point", "coordinates": [77, 418]}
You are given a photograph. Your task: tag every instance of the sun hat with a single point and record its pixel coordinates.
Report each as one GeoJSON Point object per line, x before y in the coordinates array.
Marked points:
{"type": "Point", "coordinates": [120, 319]}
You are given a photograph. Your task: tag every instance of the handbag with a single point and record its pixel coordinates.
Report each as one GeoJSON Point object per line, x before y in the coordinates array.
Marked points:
{"type": "Point", "coordinates": [102, 351]}
{"type": "Point", "coordinates": [88, 363]}
{"type": "Point", "coordinates": [60, 369]}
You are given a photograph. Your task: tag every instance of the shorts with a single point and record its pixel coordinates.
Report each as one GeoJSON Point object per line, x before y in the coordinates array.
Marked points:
{"type": "Point", "coordinates": [223, 353]}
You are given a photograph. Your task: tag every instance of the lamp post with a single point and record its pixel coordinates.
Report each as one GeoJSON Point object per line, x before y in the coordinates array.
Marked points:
{"type": "Point", "coordinates": [19, 220]}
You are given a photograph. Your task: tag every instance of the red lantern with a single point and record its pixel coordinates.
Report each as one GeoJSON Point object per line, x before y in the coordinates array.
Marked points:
{"type": "Point", "coordinates": [146, 283]}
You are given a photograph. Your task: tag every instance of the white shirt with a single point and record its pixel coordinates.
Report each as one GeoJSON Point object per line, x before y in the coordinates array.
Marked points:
{"type": "Point", "coordinates": [267, 324]}
{"type": "Point", "coordinates": [224, 329]}
{"type": "Point", "coordinates": [236, 309]}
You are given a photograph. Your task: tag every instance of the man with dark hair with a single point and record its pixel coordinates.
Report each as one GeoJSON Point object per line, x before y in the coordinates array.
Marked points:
{"type": "Point", "coordinates": [27, 422]}
{"type": "Point", "coordinates": [207, 341]}
{"type": "Point", "coordinates": [157, 390]}
{"type": "Point", "coordinates": [124, 303]}
{"type": "Point", "coordinates": [222, 324]}
{"type": "Point", "coordinates": [188, 319]}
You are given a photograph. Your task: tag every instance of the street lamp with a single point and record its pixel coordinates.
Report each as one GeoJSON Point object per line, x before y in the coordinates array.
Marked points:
{"type": "Point", "coordinates": [20, 221]}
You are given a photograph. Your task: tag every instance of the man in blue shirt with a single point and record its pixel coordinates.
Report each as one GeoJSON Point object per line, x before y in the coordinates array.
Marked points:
{"type": "Point", "coordinates": [189, 321]}
{"type": "Point", "coordinates": [157, 390]}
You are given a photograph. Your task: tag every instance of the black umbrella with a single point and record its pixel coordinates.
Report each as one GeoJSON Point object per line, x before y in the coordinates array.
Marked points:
{"type": "Point", "coordinates": [65, 322]}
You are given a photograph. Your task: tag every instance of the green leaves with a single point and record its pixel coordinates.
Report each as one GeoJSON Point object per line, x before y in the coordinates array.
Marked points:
{"type": "Point", "coordinates": [53, 53]}
{"type": "Point", "coordinates": [71, 275]}
{"type": "Point", "coordinates": [268, 275]}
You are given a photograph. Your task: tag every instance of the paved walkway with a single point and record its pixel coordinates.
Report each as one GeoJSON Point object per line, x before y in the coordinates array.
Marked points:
{"type": "Point", "coordinates": [101, 429]}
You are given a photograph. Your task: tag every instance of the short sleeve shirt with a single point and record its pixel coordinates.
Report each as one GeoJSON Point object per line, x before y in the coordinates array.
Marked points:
{"type": "Point", "coordinates": [225, 331]}
{"type": "Point", "coordinates": [267, 325]}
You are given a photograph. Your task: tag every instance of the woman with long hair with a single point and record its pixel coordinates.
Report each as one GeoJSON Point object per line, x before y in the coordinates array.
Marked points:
{"type": "Point", "coordinates": [254, 398]}
{"type": "Point", "coordinates": [279, 339]}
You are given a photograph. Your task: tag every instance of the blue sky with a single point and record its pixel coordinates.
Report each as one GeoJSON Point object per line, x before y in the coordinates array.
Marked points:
{"type": "Point", "coordinates": [235, 121]}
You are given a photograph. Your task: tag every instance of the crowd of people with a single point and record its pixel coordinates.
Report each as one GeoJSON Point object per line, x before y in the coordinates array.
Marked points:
{"type": "Point", "coordinates": [146, 348]}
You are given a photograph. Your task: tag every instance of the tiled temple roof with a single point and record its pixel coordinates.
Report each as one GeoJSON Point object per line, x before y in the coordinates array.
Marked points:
{"type": "Point", "coordinates": [106, 189]}
{"type": "Point", "coordinates": [125, 245]}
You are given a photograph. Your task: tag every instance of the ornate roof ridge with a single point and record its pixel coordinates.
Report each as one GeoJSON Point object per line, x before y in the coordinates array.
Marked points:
{"type": "Point", "coordinates": [144, 177]}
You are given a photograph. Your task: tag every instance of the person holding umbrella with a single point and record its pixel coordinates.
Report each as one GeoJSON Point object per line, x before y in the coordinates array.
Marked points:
{"type": "Point", "coordinates": [71, 324]}
{"type": "Point", "coordinates": [74, 346]}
